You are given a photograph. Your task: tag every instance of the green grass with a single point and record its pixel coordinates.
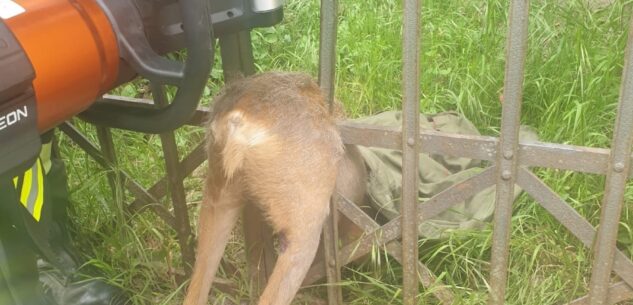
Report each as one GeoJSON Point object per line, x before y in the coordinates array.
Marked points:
{"type": "Point", "coordinates": [573, 73]}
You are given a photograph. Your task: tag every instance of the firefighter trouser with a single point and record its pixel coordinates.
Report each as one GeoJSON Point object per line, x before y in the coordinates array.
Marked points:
{"type": "Point", "coordinates": [32, 221]}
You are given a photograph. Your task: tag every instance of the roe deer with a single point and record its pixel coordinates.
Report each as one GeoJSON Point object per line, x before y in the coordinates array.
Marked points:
{"type": "Point", "coordinates": [273, 141]}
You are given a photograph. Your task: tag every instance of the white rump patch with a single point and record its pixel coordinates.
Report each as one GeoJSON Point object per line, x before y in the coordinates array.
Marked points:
{"type": "Point", "coordinates": [244, 132]}
{"type": "Point", "coordinates": [240, 136]}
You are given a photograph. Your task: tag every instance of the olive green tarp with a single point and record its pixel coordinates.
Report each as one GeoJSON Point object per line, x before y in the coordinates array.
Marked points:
{"type": "Point", "coordinates": [435, 174]}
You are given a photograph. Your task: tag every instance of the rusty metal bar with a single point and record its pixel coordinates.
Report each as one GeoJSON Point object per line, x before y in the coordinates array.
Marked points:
{"type": "Point", "coordinates": [104, 135]}
{"type": "Point", "coordinates": [617, 174]}
{"type": "Point", "coordinates": [394, 248]}
{"type": "Point", "coordinates": [570, 219]}
{"type": "Point", "coordinates": [327, 80]}
{"type": "Point", "coordinates": [393, 229]}
{"type": "Point", "coordinates": [330, 251]}
{"type": "Point", "coordinates": [237, 55]}
{"type": "Point", "coordinates": [449, 197]}
{"type": "Point", "coordinates": [508, 147]}
{"type": "Point", "coordinates": [531, 154]}
{"type": "Point", "coordinates": [327, 48]}
{"type": "Point", "coordinates": [176, 187]}
{"type": "Point", "coordinates": [356, 215]}
{"type": "Point", "coordinates": [410, 147]}
{"type": "Point", "coordinates": [618, 292]}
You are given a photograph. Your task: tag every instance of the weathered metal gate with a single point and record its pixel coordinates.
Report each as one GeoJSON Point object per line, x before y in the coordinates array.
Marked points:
{"type": "Point", "coordinates": [510, 161]}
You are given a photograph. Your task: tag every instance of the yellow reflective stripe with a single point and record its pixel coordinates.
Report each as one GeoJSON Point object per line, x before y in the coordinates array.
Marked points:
{"type": "Point", "coordinates": [32, 192]}
{"type": "Point", "coordinates": [39, 200]}
{"type": "Point", "coordinates": [26, 187]}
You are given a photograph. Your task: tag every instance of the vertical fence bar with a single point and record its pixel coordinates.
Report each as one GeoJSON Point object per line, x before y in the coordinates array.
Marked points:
{"type": "Point", "coordinates": [330, 249]}
{"type": "Point", "coordinates": [176, 187]}
{"type": "Point", "coordinates": [327, 47]}
{"type": "Point", "coordinates": [618, 171]}
{"type": "Point", "coordinates": [516, 46]}
{"type": "Point", "coordinates": [236, 50]}
{"type": "Point", "coordinates": [410, 131]}
{"type": "Point", "coordinates": [327, 79]}
{"type": "Point", "coordinates": [106, 143]}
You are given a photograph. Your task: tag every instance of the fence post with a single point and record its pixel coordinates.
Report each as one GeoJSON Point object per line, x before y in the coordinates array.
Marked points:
{"type": "Point", "coordinates": [410, 145]}
{"type": "Point", "coordinates": [327, 81]}
{"type": "Point", "coordinates": [176, 187]}
{"type": "Point", "coordinates": [617, 176]}
{"type": "Point", "coordinates": [507, 159]}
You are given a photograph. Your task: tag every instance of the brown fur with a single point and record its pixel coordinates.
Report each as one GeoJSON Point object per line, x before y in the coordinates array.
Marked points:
{"type": "Point", "coordinates": [272, 141]}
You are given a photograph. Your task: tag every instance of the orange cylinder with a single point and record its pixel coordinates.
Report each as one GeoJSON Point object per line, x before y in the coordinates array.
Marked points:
{"type": "Point", "coordinates": [73, 50]}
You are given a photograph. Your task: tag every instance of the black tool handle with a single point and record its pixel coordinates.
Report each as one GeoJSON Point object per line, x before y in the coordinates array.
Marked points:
{"type": "Point", "coordinates": [190, 77]}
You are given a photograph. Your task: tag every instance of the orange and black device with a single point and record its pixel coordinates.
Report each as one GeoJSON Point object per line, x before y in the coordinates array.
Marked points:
{"type": "Point", "coordinates": [57, 57]}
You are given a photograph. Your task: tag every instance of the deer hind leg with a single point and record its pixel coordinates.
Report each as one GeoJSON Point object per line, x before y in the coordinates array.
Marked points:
{"type": "Point", "coordinates": [216, 220]}
{"type": "Point", "coordinates": [300, 235]}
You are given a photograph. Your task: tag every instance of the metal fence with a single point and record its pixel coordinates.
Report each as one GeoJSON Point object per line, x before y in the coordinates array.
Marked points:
{"type": "Point", "coordinates": [510, 163]}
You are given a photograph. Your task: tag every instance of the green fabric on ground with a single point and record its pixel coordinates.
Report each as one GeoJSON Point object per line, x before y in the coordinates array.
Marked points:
{"type": "Point", "coordinates": [435, 174]}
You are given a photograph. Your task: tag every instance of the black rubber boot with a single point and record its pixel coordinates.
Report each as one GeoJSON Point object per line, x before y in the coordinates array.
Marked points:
{"type": "Point", "coordinates": [63, 290]}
